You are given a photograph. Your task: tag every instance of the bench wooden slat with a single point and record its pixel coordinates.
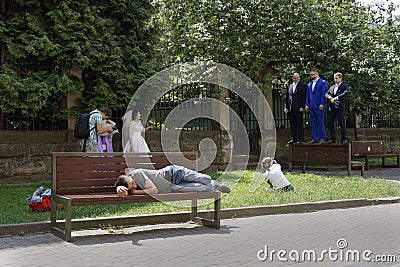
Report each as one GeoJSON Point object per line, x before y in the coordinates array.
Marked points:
{"type": "Point", "coordinates": [86, 183]}
{"type": "Point", "coordinates": [78, 160]}
{"type": "Point", "coordinates": [380, 155]}
{"type": "Point", "coordinates": [156, 162]}
{"type": "Point", "coordinates": [367, 147]}
{"type": "Point", "coordinates": [91, 167]}
{"type": "Point", "coordinates": [88, 175]}
{"type": "Point", "coordinates": [335, 154]}
{"type": "Point", "coordinates": [88, 160]}
{"type": "Point", "coordinates": [84, 191]}
{"type": "Point", "coordinates": [322, 154]}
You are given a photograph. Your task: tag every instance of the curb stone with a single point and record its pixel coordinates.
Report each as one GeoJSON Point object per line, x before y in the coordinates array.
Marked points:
{"type": "Point", "coordinates": [177, 217]}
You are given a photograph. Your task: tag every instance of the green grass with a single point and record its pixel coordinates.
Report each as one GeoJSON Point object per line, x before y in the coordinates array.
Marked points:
{"type": "Point", "coordinates": [311, 188]}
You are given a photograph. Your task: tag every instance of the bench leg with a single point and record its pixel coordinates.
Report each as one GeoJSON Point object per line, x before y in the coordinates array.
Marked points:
{"type": "Point", "coordinates": [64, 233]}
{"type": "Point", "coordinates": [217, 213]}
{"type": "Point", "coordinates": [303, 168]}
{"type": "Point", "coordinates": [362, 169]}
{"type": "Point", "coordinates": [349, 169]}
{"type": "Point", "coordinates": [53, 212]}
{"type": "Point", "coordinates": [383, 162]}
{"type": "Point", "coordinates": [68, 221]}
{"type": "Point", "coordinates": [398, 161]}
{"type": "Point", "coordinates": [357, 163]}
{"type": "Point", "coordinates": [193, 213]}
{"type": "Point", "coordinates": [215, 222]}
{"type": "Point", "coordinates": [366, 163]}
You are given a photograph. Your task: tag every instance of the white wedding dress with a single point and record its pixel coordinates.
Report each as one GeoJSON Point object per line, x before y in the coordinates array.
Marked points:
{"type": "Point", "coordinates": [135, 137]}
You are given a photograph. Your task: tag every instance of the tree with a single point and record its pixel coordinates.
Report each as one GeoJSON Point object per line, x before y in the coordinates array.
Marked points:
{"type": "Point", "coordinates": [376, 65]}
{"type": "Point", "coordinates": [109, 42]}
{"type": "Point", "coordinates": [287, 35]}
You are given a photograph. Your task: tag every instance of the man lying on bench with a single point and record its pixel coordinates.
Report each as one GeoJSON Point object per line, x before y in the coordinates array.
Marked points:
{"type": "Point", "coordinates": [172, 178]}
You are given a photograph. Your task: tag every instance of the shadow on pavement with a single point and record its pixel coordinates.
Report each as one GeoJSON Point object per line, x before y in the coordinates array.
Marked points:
{"type": "Point", "coordinates": [139, 234]}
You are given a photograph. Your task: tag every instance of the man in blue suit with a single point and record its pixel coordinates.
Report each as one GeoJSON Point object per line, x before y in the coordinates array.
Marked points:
{"type": "Point", "coordinates": [315, 104]}
{"type": "Point", "coordinates": [336, 107]}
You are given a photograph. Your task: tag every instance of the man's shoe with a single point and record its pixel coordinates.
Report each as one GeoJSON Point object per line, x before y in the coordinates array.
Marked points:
{"type": "Point", "coordinates": [321, 142]}
{"type": "Point", "coordinates": [291, 142]}
{"type": "Point", "coordinates": [223, 188]}
{"type": "Point", "coordinates": [312, 142]}
{"type": "Point", "coordinates": [344, 142]}
{"type": "Point", "coordinates": [300, 142]}
{"type": "Point", "coordinates": [330, 142]}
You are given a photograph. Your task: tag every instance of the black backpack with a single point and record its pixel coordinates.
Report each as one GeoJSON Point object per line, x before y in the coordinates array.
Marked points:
{"type": "Point", "coordinates": [81, 130]}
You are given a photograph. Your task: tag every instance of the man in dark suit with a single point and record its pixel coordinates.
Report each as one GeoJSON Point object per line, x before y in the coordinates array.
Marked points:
{"type": "Point", "coordinates": [336, 107]}
{"type": "Point", "coordinates": [295, 101]}
{"type": "Point", "coordinates": [316, 104]}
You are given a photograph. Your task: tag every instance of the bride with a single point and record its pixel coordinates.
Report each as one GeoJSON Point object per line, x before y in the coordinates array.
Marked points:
{"type": "Point", "coordinates": [136, 141]}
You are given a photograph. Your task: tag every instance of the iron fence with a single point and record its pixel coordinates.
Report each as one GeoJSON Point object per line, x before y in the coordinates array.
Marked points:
{"type": "Point", "coordinates": [177, 97]}
{"type": "Point", "coordinates": [15, 122]}
{"type": "Point", "coordinates": [374, 119]}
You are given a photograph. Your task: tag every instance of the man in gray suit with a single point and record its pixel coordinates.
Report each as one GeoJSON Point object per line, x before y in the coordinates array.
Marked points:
{"type": "Point", "coordinates": [294, 106]}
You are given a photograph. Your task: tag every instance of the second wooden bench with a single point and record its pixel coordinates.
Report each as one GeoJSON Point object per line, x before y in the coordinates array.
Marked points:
{"type": "Point", "coordinates": [333, 154]}
{"type": "Point", "coordinates": [371, 149]}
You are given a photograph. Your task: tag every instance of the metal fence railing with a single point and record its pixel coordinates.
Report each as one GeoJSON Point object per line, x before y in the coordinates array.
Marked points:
{"type": "Point", "coordinates": [14, 122]}
{"type": "Point", "coordinates": [175, 97]}
{"type": "Point", "coordinates": [372, 119]}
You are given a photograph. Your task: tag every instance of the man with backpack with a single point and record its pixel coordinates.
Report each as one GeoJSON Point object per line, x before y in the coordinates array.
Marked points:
{"type": "Point", "coordinates": [95, 128]}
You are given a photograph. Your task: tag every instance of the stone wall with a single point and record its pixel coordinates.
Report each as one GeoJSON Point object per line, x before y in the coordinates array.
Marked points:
{"type": "Point", "coordinates": [26, 156]}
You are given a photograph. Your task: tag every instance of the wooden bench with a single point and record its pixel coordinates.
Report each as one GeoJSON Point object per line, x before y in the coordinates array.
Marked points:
{"type": "Point", "coordinates": [336, 154]}
{"type": "Point", "coordinates": [371, 149]}
{"type": "Point", "coordinates": [81, 179]}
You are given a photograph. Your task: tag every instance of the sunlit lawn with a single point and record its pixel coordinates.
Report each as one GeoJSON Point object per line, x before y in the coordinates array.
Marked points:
{"type": "Point", "coordinates": [310, 187]}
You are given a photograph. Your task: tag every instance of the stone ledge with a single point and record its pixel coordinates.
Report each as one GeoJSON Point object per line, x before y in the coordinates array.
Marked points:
{"type": "Point", "coordinates": [44, 227]}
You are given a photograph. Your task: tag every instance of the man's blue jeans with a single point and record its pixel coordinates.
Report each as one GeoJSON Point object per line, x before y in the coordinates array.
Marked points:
{"type": "Point", "coordinates": [186, 180]}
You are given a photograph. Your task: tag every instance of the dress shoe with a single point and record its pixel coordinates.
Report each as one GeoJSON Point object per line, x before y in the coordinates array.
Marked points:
{"type": "Point", "coordinates": [300, 142]}
{"type": "Point", "coordinates": [344, 142]}
{"type": "Point", "coordinates": [321, 142]}
{"type": "Point", "coordinates": [291, 142]}
{"type": "Point", "coordinates": [312, 142]}
{"type": "Point", "coordinates": [330, 142]}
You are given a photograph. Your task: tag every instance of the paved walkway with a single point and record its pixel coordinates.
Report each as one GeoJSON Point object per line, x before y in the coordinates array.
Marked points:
{"type": "Point", "coordinates": [239, 242]}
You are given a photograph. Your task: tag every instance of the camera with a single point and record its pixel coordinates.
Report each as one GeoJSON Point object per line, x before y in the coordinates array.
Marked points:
{"type": "Point", "coordinates": [114, 127]}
